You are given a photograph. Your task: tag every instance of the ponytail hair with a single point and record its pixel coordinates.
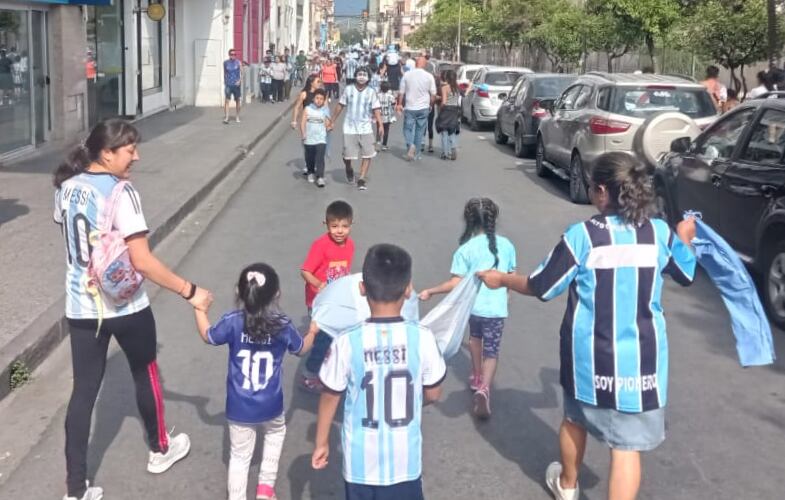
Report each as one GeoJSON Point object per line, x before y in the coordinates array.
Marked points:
{"type": "Point", "coordinates": [110, 134]}
{"type": "Point", "coordinates": [257, 292]}
{"type": "Point", "coordinates": [480, 215]}
{"type": "Point", "coordinates": [629, 183]}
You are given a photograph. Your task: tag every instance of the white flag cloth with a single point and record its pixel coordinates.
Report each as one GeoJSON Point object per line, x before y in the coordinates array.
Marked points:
{"type": "Point", "coordinates": [340, 306]}
{"type": "Point", "coordinates": [449, 318]}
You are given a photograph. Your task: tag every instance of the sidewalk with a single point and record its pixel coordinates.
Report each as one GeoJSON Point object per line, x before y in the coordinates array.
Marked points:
{"type": "Point", "coordinates": [184, 154]}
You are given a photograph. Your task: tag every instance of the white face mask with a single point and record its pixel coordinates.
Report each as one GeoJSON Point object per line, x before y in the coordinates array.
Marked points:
{"type": "Point", "coordinates": [362, 78]}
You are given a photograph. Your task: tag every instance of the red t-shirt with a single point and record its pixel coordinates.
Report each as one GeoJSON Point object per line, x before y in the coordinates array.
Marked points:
{"type": "Point", "coordinates": [327, 261]}
{"type": "Point", "coordinates": [330, 73]}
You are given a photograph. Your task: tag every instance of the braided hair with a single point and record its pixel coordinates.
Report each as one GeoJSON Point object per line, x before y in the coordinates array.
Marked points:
{"type": "Point", "coordinates": [480, 215]}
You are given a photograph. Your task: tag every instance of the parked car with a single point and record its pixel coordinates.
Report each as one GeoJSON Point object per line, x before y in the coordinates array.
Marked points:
{"type": "Point", "coordinates": [734, 174]}
{"type": "Point", "coordinates": [602, 112]}
{"type": "Point", "coordinates": [488, 90]}
{"type": "Point", "coordinates": [520, 114]}
{"type": "Point", "coordinates": [466, 75]}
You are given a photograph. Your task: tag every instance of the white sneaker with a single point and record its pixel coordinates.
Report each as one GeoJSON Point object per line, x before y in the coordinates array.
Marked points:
{"type": "Point", "coordinates": [179, 446]}
{"type": "Point", "coordinates": [320, 182]}
{"type": "Point", "coordinates": [91, 493]}
{"type": "Point", "coordinates": [552, 475]}
{"type": "Point", "coordinates": [237, 119]}
{"type": "Point", "coordinates": [311, 178]}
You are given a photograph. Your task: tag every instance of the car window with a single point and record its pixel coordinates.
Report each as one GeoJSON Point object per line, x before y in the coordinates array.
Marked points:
{"type": "Point", "coordinates": [515, 89]}
{"type": "Point", "coordinates": [522, 93]}
{"type": "Point", "coordinates": [767, 139]}
{"type": "Point", "coordinates": [584, 97]}
{"type": "Point", "coordinates": [720, 140]}
{"type": "Point", "coordinates": [646, 100]}
{"type": "Point", "coordinates": [551, 87]}
{"type": "Point", "coordinates": [476, 76]}
{"type": "Point", "coordinates": [501, 78]}
{"type": "Point", "coordinates": [567, 100]}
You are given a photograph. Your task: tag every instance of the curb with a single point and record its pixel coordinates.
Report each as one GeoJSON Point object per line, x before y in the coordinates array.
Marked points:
{"type": "Point", "coordinates": [34, 344]}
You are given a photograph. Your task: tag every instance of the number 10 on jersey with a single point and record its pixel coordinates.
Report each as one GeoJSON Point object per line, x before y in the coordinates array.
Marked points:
{"type": "Point", "coordinates": [257, 369]}
{"type": "Point", "coordinates": [398, 397]}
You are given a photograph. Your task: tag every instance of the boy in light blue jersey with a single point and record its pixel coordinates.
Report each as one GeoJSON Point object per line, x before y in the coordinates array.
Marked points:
{"type": "Point", "coordinates": [387, 368]}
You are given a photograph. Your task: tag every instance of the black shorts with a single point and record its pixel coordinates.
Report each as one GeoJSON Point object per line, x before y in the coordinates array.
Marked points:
{"type": "Point", "coordinates": [409, 490]}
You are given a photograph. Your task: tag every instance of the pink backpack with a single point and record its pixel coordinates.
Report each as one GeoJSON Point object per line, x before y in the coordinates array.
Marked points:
{"type": "Point", "coordinates": [110, 270]}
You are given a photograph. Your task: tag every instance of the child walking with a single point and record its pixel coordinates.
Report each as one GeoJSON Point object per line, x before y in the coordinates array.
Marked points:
{"type": "Point", "coordinates": [389, 368]}
{"type": "Point", "coordinates": [258, 336]}
{"type": "Point", "coordinates": [481, 248]}
{"type": "Point", "coordinates": [614, 349]}
{"type": "Point", "coordinates": [387, 101]}
{"type": "Point", "coordinates": [266, 81]}
{"type": "Point", "coordinates": [329, 258]}
{"type": "Point", "coordinates": [314, 125]}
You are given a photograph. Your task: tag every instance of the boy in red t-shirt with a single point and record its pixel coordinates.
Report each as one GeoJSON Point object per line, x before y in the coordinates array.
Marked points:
{"type": "Point", "coordinates": [329, 258]}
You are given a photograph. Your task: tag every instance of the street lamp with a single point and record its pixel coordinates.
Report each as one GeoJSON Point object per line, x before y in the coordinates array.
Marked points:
{"type": "Point", "coordinates": [457, 56]}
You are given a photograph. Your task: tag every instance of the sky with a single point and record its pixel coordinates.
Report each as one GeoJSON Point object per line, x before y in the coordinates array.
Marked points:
{"type": "Point", "coordinates": [349, 7]}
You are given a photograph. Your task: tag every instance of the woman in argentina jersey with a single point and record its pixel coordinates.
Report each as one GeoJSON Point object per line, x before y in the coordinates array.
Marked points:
{"type": "Point", "coordinates": [84, 183]}
{"type": "Point", "coordinates": [613, 344]}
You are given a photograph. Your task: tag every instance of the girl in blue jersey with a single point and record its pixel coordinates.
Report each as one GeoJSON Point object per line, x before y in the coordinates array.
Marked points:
{"type": "Point", "coordinates": [614, 349]}
{"type": "Point", "coordinates": [481, 248]}
{"type": "Point", "coordinates": [258, 335]}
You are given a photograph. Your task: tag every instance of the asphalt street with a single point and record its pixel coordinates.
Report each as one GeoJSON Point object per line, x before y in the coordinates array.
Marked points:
{"type": "Point", "coordinates": [725, 424]}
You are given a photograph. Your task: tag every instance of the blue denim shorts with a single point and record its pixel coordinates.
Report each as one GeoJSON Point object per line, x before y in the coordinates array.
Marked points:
{"type": "Point", "coordinates": [619, 430]}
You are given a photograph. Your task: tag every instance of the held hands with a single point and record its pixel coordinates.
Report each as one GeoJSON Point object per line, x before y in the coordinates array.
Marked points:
{"type": "Point", "coordinates": [202, 299]}
{"type": "Point", "coordinates": [319, 457]}
{"type": "Point", "coordinates": [493, 279]}
{"type": "Point", "coordinates": [686, 230]}
{"type": "Point", "coordinates": [424, 295]}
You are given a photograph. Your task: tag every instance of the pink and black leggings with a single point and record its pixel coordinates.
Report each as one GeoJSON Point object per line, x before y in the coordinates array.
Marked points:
{"type": "Point", "coordinates": [135, 333]}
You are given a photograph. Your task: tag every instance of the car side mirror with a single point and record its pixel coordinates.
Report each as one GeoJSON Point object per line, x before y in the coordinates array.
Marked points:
{"type": "Point", "coordinates": [502, 96]}
{"type": "Point", "coordinates": [681, 145]}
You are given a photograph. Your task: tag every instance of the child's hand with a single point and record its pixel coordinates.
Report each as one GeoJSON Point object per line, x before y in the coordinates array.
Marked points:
{"type": "Point", "coordinates": [319, 457]}
{"type": "Point", "coordinates": [424, 295]}
{"type": "Point", "coordinates": [492, 279]}
{"type": "Point", "coordinates": [202, 299]}
{"type": "Point", "coordinates": [686, 230]}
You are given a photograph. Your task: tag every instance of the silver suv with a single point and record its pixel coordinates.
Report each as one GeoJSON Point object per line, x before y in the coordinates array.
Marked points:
{"type": "Point", "coordinates": [602, 112]}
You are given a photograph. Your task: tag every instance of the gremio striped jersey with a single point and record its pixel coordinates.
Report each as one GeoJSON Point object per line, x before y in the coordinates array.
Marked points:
{"type": "Point", "coordinates": [613, 344]}
{"type": "Point", "coordinates": [79, 209]}
{"type": "Point", "coordinates": [383, 365]}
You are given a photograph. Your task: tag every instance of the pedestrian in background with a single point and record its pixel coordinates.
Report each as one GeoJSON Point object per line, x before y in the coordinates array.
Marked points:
{"type": "Point", "coordinates": [448, 124]}
{"type": "Point", "coordinates": [764, 85]}
{"type": "Point", "coordinates": [614, 349]}
{"type": "Point", "coordinates": [279, 74]}
{"type": "Point", "coordinates": [233, 83]}
{"type": "Point", "coordinates": [387, 102]}
{"type": "Point", "coordinates": [418, 90]}
{"type": "Point", "coordinates": [266, 81]}
{"type": "Point", "coordinates": [314, 126]}
{"type": "Point", "coordinates": [330, 78]}
{"type": "Point", "coordinates": [258, 335]}
{"type": "Point", "coordinates": [89, 196]}
{"type": "Point", "coordinates": [351, 68]}
{"type": "Point", "coordinates": [287, 79]}
{"type": "Point", "coordinates": [717, 91]}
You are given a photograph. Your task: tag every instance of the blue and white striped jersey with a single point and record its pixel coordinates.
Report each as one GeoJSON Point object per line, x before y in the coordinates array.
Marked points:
{"type": "Point", "coordinates": [351, 68]}
{"type": "Point", "coordinates": [79, 209]}
{"type": "Point", "coordinates": [359, 109]}
{"type": "Point", "coordinates": [383, 365]}
{"type": "Point", "coordinates": [613, 344]}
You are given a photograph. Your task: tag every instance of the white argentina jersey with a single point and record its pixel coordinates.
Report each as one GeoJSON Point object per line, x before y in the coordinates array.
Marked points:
{"type": "Point", "coordinates": [359, 109]}
{"type": "Point", "coordinates": [383, 365]}
{"type": "Point", "coordinates": [79, 209]}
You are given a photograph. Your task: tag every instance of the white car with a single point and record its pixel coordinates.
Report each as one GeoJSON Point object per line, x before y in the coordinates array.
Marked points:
{"type": "Point", "coordinates": [466, 74]}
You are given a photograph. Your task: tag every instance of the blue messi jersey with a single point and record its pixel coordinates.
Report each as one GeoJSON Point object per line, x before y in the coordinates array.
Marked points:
{"type": "Point", "coordinates": [254, 392]}
{"type": "Point", "coordinates": [383, 365]}
{"type": "Point", "coordinates": [613, 344]}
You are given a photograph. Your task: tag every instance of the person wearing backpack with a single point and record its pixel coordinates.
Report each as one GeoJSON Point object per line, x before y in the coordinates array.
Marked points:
{"type": "Point", "coordinates": [107, 255]}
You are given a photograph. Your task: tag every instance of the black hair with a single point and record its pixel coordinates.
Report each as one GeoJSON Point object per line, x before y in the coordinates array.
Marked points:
{"type": "Point", "coordinates": [384, 87]}
{"type": "Point", "coordinates": [480, 214]}
{"type": "Point", "coordinates": [257, 292]}
{"type": "Point", "coordinates": [338, 210]}
{"type": "Point", "coordinates": [308, 82]}
{"type": "Point", "coordinates": [111, 134]}
{"type": "Point", "coordinates": [450, 78]}
{"type": "Point", "coordinates": [712, 72]}
{"type": "Point", "coordinates": [387, 271]}
{"type": "Point", "coordinates": [733, 94]}
{"type": "Point", "coordinates": [765, 79]}
{"type": "Point", "coordinates": [320, 92]}
{"type": "Point", "coordinates": [629, 184]}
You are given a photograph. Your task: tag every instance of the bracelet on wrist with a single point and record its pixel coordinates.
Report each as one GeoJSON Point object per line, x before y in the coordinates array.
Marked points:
{"type": "Point", "coordinates": [191, 292]}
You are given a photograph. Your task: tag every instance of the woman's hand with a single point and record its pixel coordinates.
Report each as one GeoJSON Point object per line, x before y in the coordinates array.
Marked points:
{"type": "Point", "coordinates": [686, 230]}
{"type": "Point", "coordinates": [493, 279]}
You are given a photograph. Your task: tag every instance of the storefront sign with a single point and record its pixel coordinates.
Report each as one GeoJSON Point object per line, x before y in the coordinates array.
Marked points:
{"type": "Point", "coordinates": [156, 12]}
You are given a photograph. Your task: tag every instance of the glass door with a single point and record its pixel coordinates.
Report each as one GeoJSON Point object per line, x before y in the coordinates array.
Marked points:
{"type": "Point", "coordinates": [40, 76]}
{"type": "Point", "coordinates": [104, 62]}
{"type": "Point", "coordinates": [15, 102]}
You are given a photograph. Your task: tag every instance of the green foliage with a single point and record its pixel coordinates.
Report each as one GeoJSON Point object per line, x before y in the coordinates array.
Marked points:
{"type": "Point", "coordinates": [351, 37]}
{"type": "Point", "coordinates": [20, 374]}
{"type": "Point", "coordinates": [563, 34]}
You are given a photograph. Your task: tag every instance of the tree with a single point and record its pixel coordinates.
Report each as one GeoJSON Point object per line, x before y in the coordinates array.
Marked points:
{"type": "Point", "coordinates": [351, 37]}
{"type": "Point", "coordinates": [611, 34]}
{"type": "Point", "coordinates": [731, 32]}
{"type": "Point", "coordinates": [563, 34]}
{"type": "Point", "coordinates": [505, 24]}
{"type": "Point", "coordinates": [653, 18]}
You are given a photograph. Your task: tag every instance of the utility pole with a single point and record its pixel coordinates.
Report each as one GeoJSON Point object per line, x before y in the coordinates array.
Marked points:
{"type": "Point", "coordinates": [771, 11]}
{"type": "Point", "coordinates": [458, 43]}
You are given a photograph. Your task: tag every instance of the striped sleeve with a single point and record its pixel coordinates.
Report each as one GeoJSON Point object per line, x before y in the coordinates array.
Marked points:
{"type": "Point", "coordinates": [681, 263]}
{"type": "Point", "coordinates": [559, 269]}
{"type": "Point", "coordinates": [129, 218]}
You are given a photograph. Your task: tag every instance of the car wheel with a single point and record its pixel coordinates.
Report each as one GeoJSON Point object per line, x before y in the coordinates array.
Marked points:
{"type": "Point", "coordinates": [578, 192]}
{"type": "Point", "coordinates": [498, 135]}
{"type": "Point", "coordinates": [520, 148]}
{"type": "Point", "coordinates": [473, 123]}
{"type": "Point", "coordinates": [539, 159]}
{"type": "Point", "coordinates": [774, 284]}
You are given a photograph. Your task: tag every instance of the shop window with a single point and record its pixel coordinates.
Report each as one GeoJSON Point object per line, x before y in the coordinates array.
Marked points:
{"type": "Point", "coordinates": [152, 53]}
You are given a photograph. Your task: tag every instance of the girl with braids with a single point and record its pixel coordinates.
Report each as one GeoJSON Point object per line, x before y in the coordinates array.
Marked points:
{"type": "Point", "coordinates": [258, 335]}
{"type": "Point", "coordinates": [613, 344]}
{"type": "Point", "coordinates": [481, 248]}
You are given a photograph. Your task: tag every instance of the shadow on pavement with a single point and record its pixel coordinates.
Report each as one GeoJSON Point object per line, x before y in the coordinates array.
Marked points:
{"type": "Point", "coordinates": [327, 483]}
{"type": "Point", "coordinates": [10, 209]}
